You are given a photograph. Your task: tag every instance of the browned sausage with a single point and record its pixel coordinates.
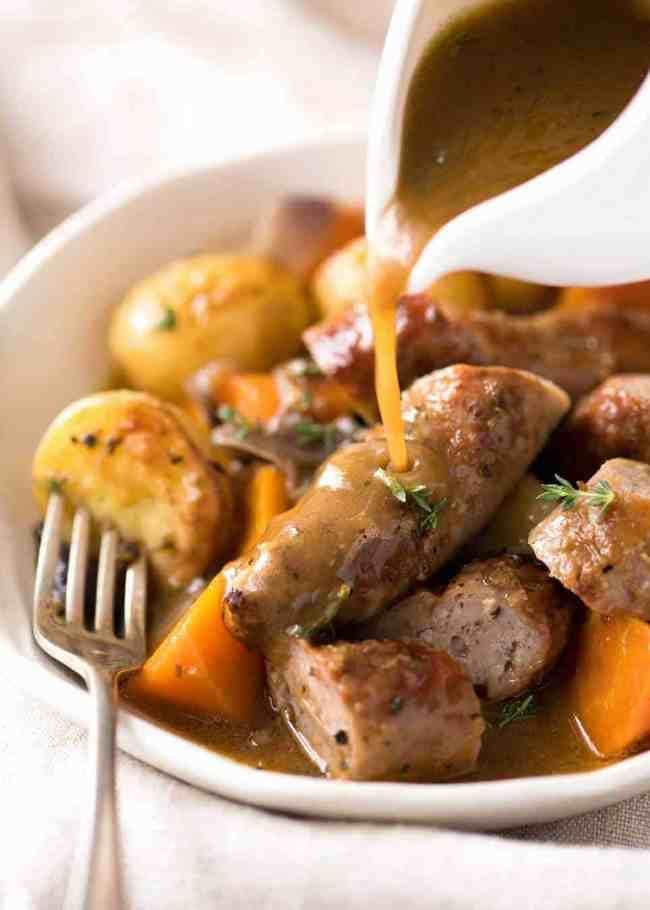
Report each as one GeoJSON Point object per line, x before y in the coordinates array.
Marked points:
{"type": "Point", "coordinates": [376, 710]}
{"type": "Point", "coordinates": [350, 547]}
{"type": "Point", "coordinates": [503, 619]}
{"type": "Point", "coordinates": [603, 557]}
{"type": "Point", "coordinates": [576, 345]}
{"type": "Point", "coordinates": [611, 422]}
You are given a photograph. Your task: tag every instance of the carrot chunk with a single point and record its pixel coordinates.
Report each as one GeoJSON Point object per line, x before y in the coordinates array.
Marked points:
{"type": "Point", "coordinates": [253, 395]}
{"type": "Point", "coordinates": [200, 666]}
{"type": "Point", "coordinates": [611, 687]}
{"type": "Point", "coordinates": [266, 497]}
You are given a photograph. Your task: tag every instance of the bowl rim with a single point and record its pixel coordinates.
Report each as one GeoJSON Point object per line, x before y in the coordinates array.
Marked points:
{"type": "Point", "coordinates": [475, 805]}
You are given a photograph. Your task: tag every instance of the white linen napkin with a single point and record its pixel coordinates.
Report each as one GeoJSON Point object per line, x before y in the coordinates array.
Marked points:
{"type": "Point", "coordinates": [91, 93]}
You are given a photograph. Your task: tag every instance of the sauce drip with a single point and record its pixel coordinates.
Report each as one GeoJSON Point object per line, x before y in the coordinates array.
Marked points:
{"type": "Point", "coordinates": [502, 94]}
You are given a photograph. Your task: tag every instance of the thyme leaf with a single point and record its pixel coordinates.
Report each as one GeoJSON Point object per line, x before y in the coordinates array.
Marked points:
{"type": "Point", "coordinates": [563, 492]}
{"type": "Point", "coordinates": [309, 433]}
{"type": "Point", "coordinates": [518, 709]}
{"type": "Point", "coordinates": [168, 321]}
{"type": "Point", "coordinates": [227, 414]}
{"type": "Point", "coordinates": [330, 610]}
{"type": "Point", "coordinates": [417, 497]}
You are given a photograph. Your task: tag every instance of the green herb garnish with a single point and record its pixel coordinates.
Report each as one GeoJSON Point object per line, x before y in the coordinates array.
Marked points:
{"type": "Point", "coordinates": [563, 492]}
{"type": "Point", "coordinates": [418, 497]}
{"type": "Point", "coordinates": [168, 321]}
{"type": "Point", "coordinates": [331, 608]}
{"type": "Point", "coordinates": [310, 433]}
{"type": "Point", "coordinates": [518, 709]}
{"type": "Point", "coordinates": [227, 414]}
{"type": "Point", "coordinates": [55, 486]}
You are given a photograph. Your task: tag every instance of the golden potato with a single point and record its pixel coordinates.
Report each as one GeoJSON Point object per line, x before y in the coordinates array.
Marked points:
{"type": "Point", "coordinates": [519, 297]}
{"type": "Point", "coordinates": [342, 280]}
{"type": "Point", "coordinates": [243, 309]}
{"type": "Point", "coordinates": [128, 458]}
{"type": "Point", "coordinates": [460, 293]}
{"type": "Point", "coordinates": [518, 515]}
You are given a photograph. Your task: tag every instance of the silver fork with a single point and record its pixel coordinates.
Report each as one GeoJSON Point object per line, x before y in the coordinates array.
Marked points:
{"type": "Point", "coordinates": [97, 655]}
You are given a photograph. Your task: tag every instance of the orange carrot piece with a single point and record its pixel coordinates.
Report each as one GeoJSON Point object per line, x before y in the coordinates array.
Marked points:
{"type": "Point", "coordinates": [200, 666]}
{"type": "Point", "coordinates": [611, 688]}
{"type": "Point", "coordinates": [253, 395]}
{"type": "Point", "coordinates": [266, 497]}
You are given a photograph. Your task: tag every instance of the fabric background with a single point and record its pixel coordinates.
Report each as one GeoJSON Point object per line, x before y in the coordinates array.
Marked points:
{"type": "Point", "coordinates": [94, 93]}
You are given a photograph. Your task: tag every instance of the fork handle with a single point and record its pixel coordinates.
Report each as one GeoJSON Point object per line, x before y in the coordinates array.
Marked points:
{"type": "Point", "coordinates": [95, 881]}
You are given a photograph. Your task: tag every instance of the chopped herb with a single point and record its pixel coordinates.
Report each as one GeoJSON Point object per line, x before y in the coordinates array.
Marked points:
{"type": "Point", "coordinates": [332, 607]}
{"type": "Point", "coordinates": [55, 486]}
{"type": "Point", "coordinates": [396, 705]}
{"type": "Point", "coordinates": [89, 440]}
{"type": "Point", "coordinates": [228, 414]}
{"type": "Point", "coordinates": [168, 321]}
{"type": "Point", "coordinates": [310, 433]}
{"type": "Point", "coordinates": [563, 492]}
{"type": "Point", "coordinates": [303, 367]}
{"type": "Point", "coordinates": [517, 709]}
{"type": "Point", "coordinates": [175, 459]}
{"type": "Point", "coordinates": [418, 497]}
{"type": "Point", "coordinates": [306, 400]}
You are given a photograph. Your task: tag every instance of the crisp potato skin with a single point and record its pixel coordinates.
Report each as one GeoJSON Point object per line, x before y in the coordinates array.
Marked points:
{"type": "Point", "coordinates": [244, 309]}
{"type": "Point", "coordinates": [127, 457]}
{"type": "Point", "coordinates": [341, 281]}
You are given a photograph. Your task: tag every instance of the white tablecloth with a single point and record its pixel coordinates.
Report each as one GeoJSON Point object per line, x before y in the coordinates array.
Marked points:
{"type": "Point", "coordinates": [91, 93]}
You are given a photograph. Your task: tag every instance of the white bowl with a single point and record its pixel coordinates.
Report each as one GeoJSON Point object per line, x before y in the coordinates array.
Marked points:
{"type": "Point", "coordinates": [53, 310]}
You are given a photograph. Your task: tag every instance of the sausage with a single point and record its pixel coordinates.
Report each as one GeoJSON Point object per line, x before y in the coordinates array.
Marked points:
{"type": "Point", "coordinates": [603, 557]}
{"type": "Point", "coordinates": [611, 422]}
{"type": "Point", "coordinates": [350, 547]}
{"type": "Point", "coordinates": [575, 344]}
{"type": "Point", "coordinates": [503, 619]}
{"type": "Point", "coordinates": [375, 710]}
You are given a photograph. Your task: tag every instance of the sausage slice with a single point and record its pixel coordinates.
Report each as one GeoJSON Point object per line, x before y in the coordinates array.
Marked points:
{"type": "Point", "coordinates": [603, 557]}
{"type": "Point", "coordinates": [503, 619]}
{"type": "Point", "coordinates": [374, 710]}
{"type": "Point", "coordinates": [612, 422]}
{"type": "Point", "coordinates": [575, 345]}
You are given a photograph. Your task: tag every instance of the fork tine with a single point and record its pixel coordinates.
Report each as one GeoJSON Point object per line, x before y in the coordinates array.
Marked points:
{"type": "Point", "coordinates": [104, 604]}
{"type": "Point", "coordinates": [48, 553]}
{"type": "Point", "coordinates": [76, 580]}
{"type": "Point", "coordinates": [135, 602]}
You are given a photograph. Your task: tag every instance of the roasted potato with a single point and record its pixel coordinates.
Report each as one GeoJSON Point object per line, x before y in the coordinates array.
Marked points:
{"type": "Point", "coordinates": [461, 293]}
{"type": "Point", "coordinates": [519, 297]}
{"type": "Point", "coordinates": [243, 309]}
{"type": "Point", "coordinates": [130, 460]}
{"type": "Point", "coordinates": [342, 281]}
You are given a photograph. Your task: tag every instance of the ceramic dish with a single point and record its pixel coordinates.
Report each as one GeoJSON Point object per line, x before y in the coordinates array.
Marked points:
{"type": "Point", "coordinates": [53, 310]}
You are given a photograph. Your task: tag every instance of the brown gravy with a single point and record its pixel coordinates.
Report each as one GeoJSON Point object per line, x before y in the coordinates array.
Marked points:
{"type": "Point", "coordinates": [545, 743]}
